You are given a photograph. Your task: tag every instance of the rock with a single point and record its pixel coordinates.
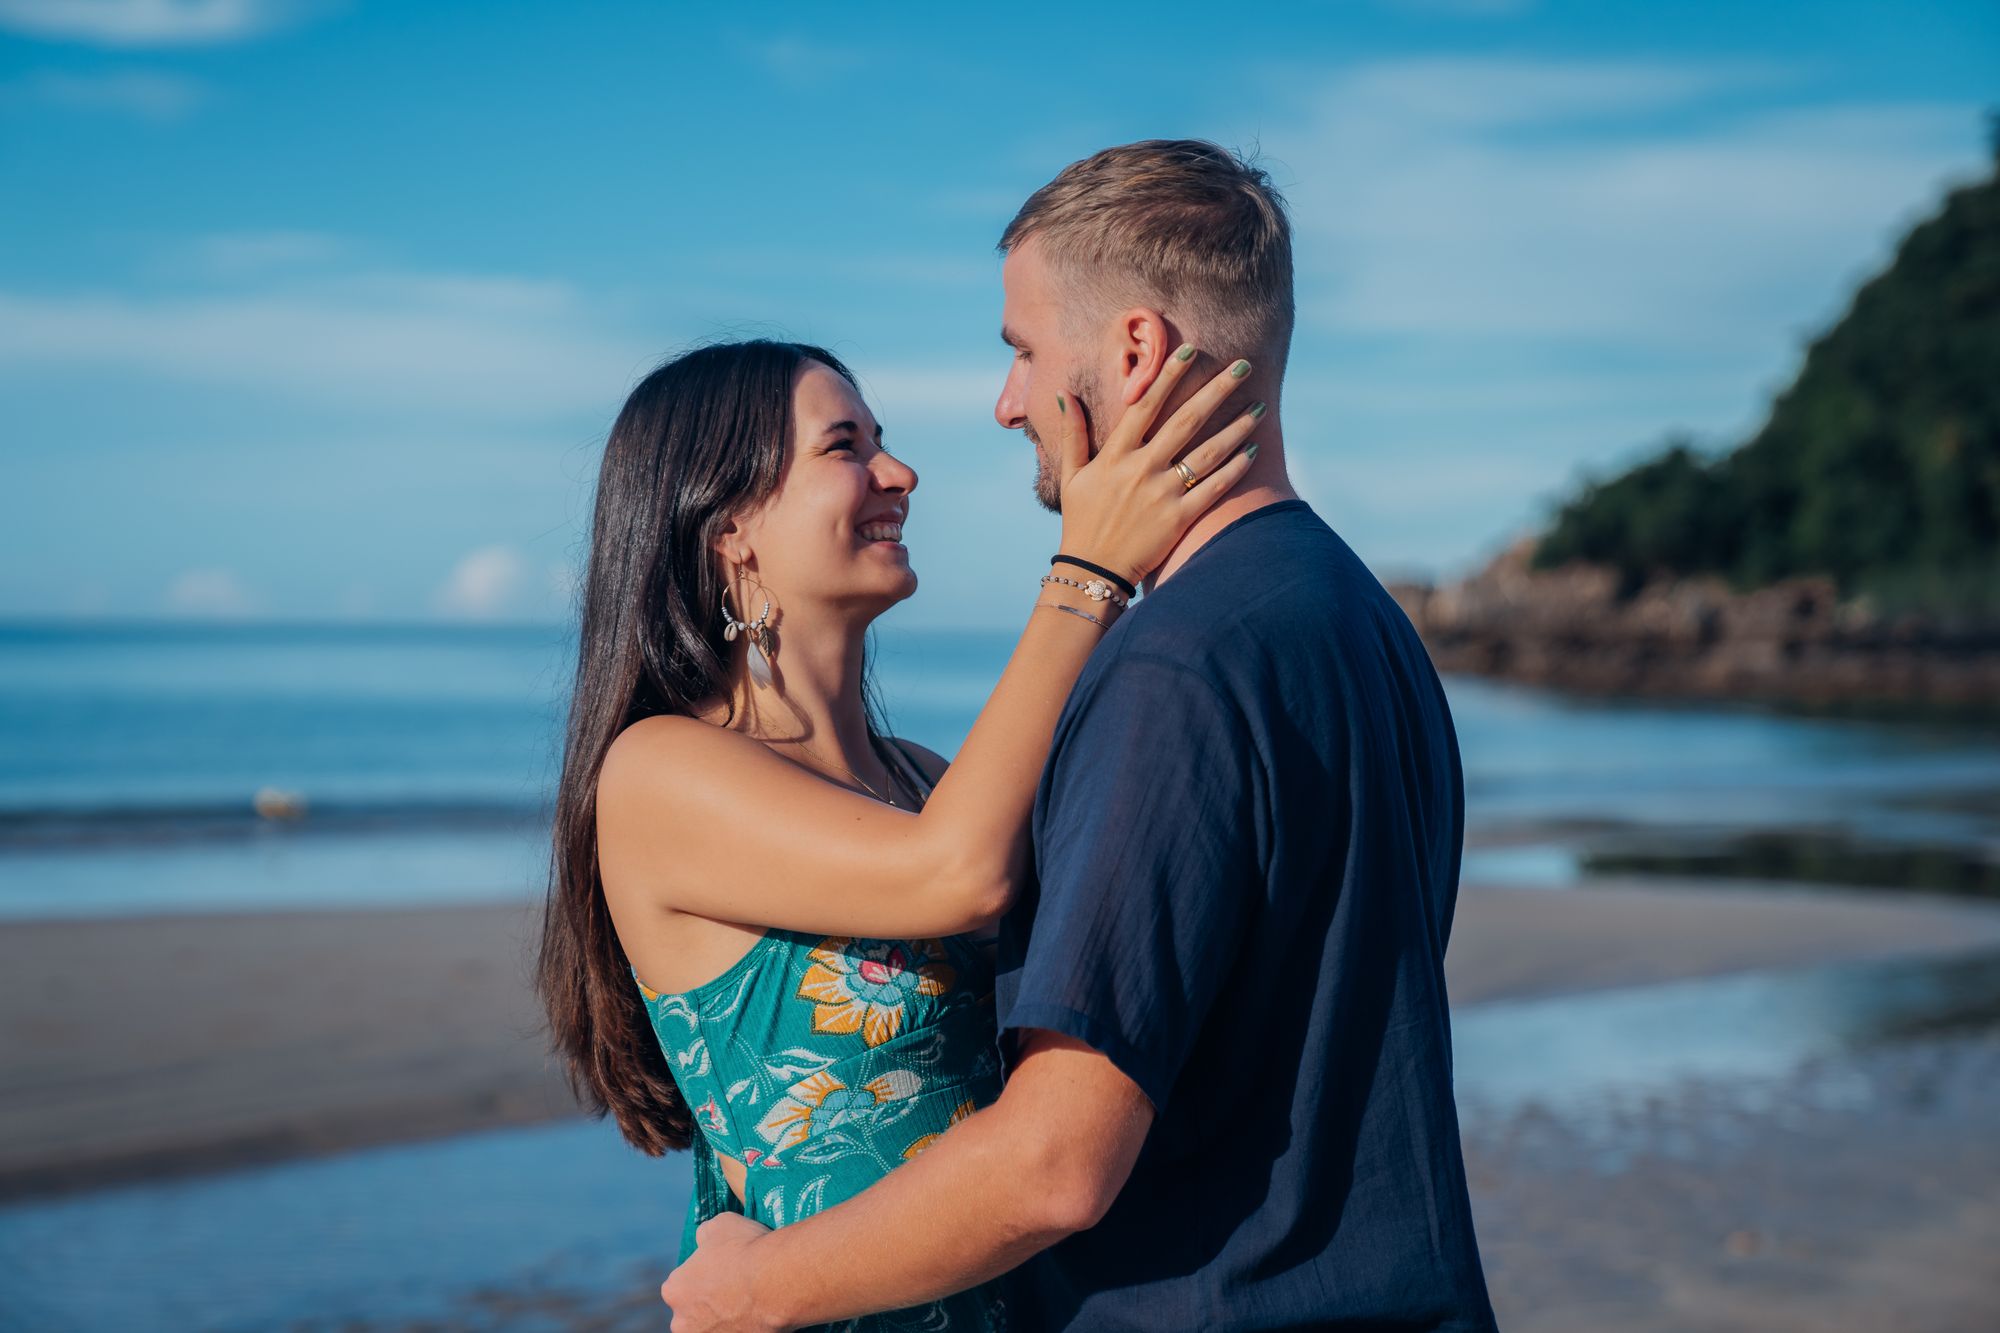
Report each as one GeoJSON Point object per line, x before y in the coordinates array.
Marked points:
{"type": "Point", "coordinates": [1795, 641]}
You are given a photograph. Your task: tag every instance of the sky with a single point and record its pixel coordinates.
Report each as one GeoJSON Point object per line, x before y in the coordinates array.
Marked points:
{"type": "Point", "coordinates": [320, 310]}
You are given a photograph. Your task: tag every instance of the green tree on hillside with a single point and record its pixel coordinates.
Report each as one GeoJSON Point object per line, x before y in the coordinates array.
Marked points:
{"type": "Point", "coordinates": [1879, 466]}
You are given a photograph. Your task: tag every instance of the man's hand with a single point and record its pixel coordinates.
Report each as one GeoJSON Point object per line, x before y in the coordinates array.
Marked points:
{"type": "Point", "coordinates": [1043, 1162]}
{"type": "Point", "coordinates": [710, 1293]}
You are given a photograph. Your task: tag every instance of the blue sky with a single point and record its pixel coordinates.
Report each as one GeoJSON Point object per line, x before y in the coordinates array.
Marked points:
{"type": "Point", "coordinates": [321, 310]}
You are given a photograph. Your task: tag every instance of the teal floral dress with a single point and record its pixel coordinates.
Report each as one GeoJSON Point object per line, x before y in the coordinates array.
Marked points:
{"type": "Point", "coordinates": [822, 1063]}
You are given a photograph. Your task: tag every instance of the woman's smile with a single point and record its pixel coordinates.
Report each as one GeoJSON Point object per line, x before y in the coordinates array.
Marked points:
{"type": "Point", "coordinates": [883, 532]}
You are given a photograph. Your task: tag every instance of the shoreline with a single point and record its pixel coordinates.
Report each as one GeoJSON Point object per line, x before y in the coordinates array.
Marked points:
{"type": "Point", "coordinates": [145, 1048]}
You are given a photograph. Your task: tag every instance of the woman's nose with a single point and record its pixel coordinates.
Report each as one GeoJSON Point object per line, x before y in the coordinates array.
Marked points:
{"type": "Point", "coordinates": [893, 474]}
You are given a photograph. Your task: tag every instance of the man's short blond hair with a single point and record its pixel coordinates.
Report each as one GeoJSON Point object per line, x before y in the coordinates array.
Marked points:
{"type": "Point", "coordinates": [1182, 225]}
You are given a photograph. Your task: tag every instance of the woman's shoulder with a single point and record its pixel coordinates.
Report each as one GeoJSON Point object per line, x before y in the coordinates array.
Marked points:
{"type": "Point", "coordinates": [660, 752]}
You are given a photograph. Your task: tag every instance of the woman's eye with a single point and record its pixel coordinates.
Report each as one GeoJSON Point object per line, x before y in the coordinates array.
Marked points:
{"type": "Point", "coordinates": [841, 444]}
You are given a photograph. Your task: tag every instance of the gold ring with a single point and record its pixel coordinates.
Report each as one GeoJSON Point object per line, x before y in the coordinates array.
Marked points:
{"type": "Point", "coordinates": [1188, 478]}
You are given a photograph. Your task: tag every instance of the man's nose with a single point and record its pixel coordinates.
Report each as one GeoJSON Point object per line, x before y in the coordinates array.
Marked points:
{"type": "Point", "coordinates": [1008, 409]}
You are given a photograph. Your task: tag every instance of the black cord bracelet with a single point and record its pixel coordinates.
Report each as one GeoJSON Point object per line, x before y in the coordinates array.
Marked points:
{"type": "Point", "coordinates": [1098, 570]}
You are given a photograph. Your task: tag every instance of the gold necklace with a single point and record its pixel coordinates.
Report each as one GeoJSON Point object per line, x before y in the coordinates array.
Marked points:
{"type": "Point", "coordinates": [856, 779]}
{"type": "Point", "coordinates": [876, 794]}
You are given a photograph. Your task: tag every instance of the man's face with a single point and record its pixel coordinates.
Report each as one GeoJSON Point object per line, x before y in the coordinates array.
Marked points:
{"type": "Point", "coordinates": [1046, 362]}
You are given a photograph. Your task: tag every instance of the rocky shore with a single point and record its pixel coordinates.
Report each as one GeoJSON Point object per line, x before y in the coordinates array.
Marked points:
{"type": "Point", "coordinates": [1794, 642]}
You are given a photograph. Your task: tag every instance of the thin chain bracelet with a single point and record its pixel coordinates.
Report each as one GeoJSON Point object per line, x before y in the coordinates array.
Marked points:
{"type": "Point", "coordinates": [1080, 615]}
{"type": "Point", "coordinates": [1097, 590]}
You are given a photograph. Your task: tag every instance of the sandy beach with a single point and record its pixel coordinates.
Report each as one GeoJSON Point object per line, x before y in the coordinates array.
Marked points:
{"type": "Point", "coordinates": [1851, 1191]}
{"type": "Point", "coordinates": [146, 1046]}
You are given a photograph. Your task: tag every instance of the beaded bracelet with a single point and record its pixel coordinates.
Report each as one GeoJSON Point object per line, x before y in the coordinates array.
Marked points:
{"type": "Point", "coordinates": [1097, 590]}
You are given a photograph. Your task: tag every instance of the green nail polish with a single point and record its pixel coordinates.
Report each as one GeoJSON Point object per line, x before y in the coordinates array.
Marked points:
{"type": "Point", "coordinates": [1251, 453]}
{"type": "Point", "coordinates": [1061, 406]}
{"type": "Point", "coordinates": [1240, 369]}
{"type": "Point", "coordinates": [1186, 353]}
{"type": "Point", "coordinates": [1257, 411]}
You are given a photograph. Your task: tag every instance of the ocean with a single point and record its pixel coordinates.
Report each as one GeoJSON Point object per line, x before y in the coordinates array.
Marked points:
{"type": "Point", "coordinates": [412, 765]}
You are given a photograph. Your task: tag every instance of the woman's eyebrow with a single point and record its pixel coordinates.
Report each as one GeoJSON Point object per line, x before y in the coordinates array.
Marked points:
{"type": "Point", "coordinates": [849, 425]}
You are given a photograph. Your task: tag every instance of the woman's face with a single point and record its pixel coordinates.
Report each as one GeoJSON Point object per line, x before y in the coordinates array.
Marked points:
{"type": "Point", "coordinates": [832, 532]}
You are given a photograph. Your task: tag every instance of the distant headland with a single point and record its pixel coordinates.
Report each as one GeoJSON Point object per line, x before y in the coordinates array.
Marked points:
{"type": "Point", "coordinates": [1847, 554]}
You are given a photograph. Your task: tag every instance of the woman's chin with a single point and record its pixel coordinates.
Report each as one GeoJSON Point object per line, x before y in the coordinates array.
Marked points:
{"type": "Point", "coordinates": [885, 590]}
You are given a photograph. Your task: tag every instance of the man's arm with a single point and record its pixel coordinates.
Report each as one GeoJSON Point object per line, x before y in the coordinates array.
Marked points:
{"type": "Point", "coordinates": [1044, 1161]}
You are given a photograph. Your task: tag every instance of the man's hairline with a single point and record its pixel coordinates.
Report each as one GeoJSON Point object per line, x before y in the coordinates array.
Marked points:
{"type": "Point", "coordinates": [1113, 302]}
{"type": "Point", "coordinates": [1075, 326]}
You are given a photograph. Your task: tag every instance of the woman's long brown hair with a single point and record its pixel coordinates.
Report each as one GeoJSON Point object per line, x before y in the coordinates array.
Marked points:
{"type": "Point", "coordinates": [700, 439]}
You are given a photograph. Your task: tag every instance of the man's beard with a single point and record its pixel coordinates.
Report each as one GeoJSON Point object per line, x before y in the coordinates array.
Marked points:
{"type": "Point", "coordinates": [1048, 490]}
{"type": "Point", "coordinates": [1048, 482]}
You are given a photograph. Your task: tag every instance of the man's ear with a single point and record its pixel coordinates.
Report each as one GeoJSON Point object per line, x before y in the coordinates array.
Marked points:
{"type": "Point", "coordinates": [1144, 343]}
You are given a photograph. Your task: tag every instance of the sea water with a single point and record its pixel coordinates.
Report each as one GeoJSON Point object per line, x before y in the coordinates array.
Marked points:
{"type": "Point", "coordinates": [416, 764]}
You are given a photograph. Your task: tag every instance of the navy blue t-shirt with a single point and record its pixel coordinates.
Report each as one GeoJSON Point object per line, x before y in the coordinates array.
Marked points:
{"type": "Point", "coordinates": [1247, 843]}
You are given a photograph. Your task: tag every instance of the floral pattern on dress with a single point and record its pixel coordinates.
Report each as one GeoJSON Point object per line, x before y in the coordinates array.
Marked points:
{"type": "Point", "coordinates": [822, 1064]}
{"type": "Point", "coordinates": [864, 986]}
{"type": "Point", "coordinates": [709, 1116]}
{"type": "Point", "coordinates": [824, 1107]}
{"type": "Point", "coordinates": [923, 1141]}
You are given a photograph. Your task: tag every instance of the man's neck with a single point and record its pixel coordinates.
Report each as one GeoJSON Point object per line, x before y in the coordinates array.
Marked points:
{"type": "Point", "coordinates": [1267, 483]}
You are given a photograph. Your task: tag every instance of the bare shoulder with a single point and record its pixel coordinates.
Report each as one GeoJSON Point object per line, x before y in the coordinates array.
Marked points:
{"type": "Point", "coordinates": [665, 770]}
{"type": "Point", "coordinates": [660, 752]}
{"type": "Point", "coordinates": [929, 761]}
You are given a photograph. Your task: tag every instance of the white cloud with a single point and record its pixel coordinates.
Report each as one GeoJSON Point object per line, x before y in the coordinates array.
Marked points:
{"type": "Point", "coordinates": [144, 93]}
{"type": "Point", "coordinates": [485, 583]}
{"type": "Point", "coordinates": [805, 62]}
{"type": "Point", "coordinates": [209, 592]}
{"type": "Point", "coordinates": [144, 23]}
{"type": "Point", "coordinates": [249, 253]}
{"type": "Point", "coordinates": [1510, 268]}
{"type": "Point", "coordinates": [1413, 97]}
{"type": "Point", "coordinates": [477, 347]}
{"type": "Point", "coordinates": [1424, 211]}
{"type": "Point", "coordinates": [956, 395]}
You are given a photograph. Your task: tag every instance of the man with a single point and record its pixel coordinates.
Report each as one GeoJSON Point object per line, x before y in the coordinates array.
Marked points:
{"type": "Point", "coordinates": [1223, 1003]}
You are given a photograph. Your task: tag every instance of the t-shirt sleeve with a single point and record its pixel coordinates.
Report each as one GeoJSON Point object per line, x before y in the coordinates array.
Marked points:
{"type": "Point", "coordinates": [1145, 851]}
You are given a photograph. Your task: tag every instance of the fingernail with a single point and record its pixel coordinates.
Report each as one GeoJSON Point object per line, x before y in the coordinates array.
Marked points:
{"type": "Point", "coordinates": [1061, 406]}
{"type": "Point", "coordinates": [1250, 452]}
{"type": "Point", "coordinates": [1186, 353]}
{"type": "Point", "coordinates": [1240, 369]}
{"type": "Point", "coordinates": [1257, 410]}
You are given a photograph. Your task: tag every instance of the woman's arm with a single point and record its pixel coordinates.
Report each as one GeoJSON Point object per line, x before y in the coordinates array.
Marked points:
{"type": "Point", "coordinates": [719, 826]}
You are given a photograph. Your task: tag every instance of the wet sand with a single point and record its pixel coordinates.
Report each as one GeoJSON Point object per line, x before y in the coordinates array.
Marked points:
{"type": "Point", "coordinates": [152, 1046]}
{"type": "Point", "coordinates": [143, 1047]}
{"type": "Point", "coordinates": [1859, 1193]}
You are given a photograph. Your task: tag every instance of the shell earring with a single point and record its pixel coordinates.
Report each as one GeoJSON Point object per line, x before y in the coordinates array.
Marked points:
{"type": "Point", "coordinates": [758, 631]}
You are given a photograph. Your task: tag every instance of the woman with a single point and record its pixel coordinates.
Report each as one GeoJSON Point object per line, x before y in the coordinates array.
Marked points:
{"type": "Point", "coordinates": [756, 939]}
